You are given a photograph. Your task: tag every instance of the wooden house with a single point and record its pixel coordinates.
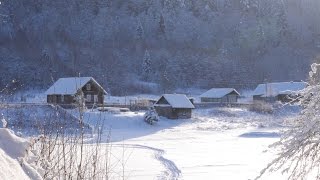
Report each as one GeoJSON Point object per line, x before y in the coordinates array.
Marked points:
{"type": "Point", "coordinates": [281, 91]}
{"type": "Point", "coordinates": [220, 95]}
{"type": "Point", "coordinates": [69, 91]}
{"type": "Point", "coordinates": [174, 106]}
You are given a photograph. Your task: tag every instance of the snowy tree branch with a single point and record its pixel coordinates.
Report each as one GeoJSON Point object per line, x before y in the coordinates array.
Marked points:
{"type": "Point", "coordinates": [300, 145]}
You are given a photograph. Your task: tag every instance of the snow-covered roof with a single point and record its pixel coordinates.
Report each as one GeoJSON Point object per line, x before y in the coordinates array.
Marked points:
{"type": "Point", "coordinates": [177, 101]}
{"type": "Point", "coordinates": [218, 92]}
{"type": "Point", "coordinates": [70, 86]}
{"type": "Point", "coordinates": [274, 89]}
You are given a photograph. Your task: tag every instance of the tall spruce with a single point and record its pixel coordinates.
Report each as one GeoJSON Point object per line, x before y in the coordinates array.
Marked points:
{"type": "Point", "coordinates": [146, 67]}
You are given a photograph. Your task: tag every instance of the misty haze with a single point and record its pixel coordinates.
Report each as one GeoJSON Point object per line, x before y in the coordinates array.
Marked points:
{"type": "Point", "coordinates": [160, 89]}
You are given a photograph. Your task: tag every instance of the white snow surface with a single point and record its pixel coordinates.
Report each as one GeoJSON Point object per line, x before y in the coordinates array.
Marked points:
{"type": "Point", "coordinates": [12, 153]}
{"type": "Point", "coordinates": [219, 143]}
{"type": "Point", "coordinates": [274, 89]}
{"type": "Point", "coordinates": [69, 86]}
{"type": "Point", "coordinates": [178, 101]}
{"type": "Point", "coordinates": [218, 92]}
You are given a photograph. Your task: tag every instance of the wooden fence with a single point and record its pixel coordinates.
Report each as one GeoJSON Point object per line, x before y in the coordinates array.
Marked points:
{"type": "Point", "coordinates": [216, 105]}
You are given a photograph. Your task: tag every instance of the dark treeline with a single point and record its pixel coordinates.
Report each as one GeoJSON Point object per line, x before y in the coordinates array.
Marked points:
{"type": "Point", "coordinates": [176, 43]}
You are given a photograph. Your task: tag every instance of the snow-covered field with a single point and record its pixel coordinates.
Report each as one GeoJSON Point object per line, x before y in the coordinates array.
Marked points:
{"type": "Point", "coordinates": [215, 144]}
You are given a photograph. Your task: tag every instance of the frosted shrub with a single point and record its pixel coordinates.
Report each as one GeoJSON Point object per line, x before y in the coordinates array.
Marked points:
{"type": "Point", "coordinates": [151, 116]}
{"type": "Point", "coordinates": [62, 153]}
{"type": "Point", "coordinates": [300, 145]}
{"type": "Point", "coordinates": [261, 107]}
{"type": "Point", "coordinates": [4, 122]}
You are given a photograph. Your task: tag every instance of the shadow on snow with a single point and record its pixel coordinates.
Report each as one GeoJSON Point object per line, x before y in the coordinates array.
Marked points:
{"type": "Point", "coordinates": [123, 126]}
{"type": "Point", "coordinates": [260, 135]}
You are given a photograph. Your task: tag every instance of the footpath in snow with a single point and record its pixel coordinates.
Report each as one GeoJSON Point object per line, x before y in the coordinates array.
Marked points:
{"type": "Point", "coordinates": [214, 144]}
{"type": "Point", "coordinates": [217, 143]}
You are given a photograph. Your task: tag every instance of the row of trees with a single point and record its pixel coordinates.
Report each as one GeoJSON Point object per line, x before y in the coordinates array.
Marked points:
{"type": "Point", "coordinates": [172, 43]}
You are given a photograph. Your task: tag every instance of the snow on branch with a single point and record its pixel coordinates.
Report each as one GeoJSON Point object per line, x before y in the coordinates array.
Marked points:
{"type": "Point", "coordinates": [300, 145]}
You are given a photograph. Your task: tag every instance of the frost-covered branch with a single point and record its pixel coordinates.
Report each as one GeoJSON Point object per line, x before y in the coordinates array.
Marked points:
{"type": "Point", "coordinates": [299, 146]}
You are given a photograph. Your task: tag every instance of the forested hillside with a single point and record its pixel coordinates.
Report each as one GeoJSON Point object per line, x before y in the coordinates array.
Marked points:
{"type": "Point", "coordinates": [173, 43]}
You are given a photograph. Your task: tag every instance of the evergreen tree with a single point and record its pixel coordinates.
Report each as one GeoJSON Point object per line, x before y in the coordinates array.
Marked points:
{"type": "Point", "coordinates": [162, 27]}
{"type": "Point", "coordinates": [146, 66]}
{"type": "Point", "coordinates": [167, 82]}
{"type": "Point", "coordinates": [139, 32]}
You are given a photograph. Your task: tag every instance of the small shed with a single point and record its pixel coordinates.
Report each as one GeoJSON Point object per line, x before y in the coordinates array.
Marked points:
{"type": "Point", "coordinates": [67, 91]}
{"type": "Point", "coordinates": [220, 95]}
{"type": "Point", "coordinates": [174, 106]}
{"type": "Point", "coordinates": [281, 91]}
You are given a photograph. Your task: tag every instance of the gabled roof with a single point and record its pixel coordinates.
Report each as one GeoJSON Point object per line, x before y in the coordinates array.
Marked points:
{"type": "Point", "coordinates": [218, 92]}
{"type": "Point", "coordinates": [177, 101]}
{"type": "Point", "coordinates": [71, 85]}
{"type": "Point", "coordinates": [274, 89]}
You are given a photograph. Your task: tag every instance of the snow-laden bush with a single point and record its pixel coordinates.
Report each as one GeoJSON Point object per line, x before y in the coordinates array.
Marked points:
{"type": "Point", "coordinates": [263, 107]}
{"type": "Point", "coordinates": [4, 122]}
{"type": "Point", "coordinates": [300, 145]}
{"type": "Point", "coordinates": [151, 116]}
{"type": "Point", "coordinates": [60, 153]}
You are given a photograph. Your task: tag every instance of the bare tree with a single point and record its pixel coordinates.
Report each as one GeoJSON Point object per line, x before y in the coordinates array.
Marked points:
{"type": "Point", "coordinates": [300, 145]}
{"type": "Point", "coordinates": [60, 152]}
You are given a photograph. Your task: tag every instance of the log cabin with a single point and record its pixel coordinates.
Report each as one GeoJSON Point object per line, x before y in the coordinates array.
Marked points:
{"type": "Point", "coordinates": [174, 106]}
{"type": "Point", "coordinates": [281, 91]}
{"type": "Point", "coordinates": [68, 91]}
{"type": "Point", "coordinates": [220, 95]}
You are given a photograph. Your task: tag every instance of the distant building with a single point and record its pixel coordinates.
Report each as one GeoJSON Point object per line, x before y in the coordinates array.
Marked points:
{"type": "Point", "coordinates": [220, 95]}
{"type": "Point", "coordinates": [281, 91]}
{"type": "Point", "coordinates": [174, 106]}
{"type": "Point", "coordinates": [66, 91]}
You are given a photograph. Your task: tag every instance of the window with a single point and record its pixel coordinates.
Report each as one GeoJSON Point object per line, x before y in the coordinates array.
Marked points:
{"type": "Point", "coordinates": [88, 87]}
{"type": "Point", "coordinates": [89, 97]}
{"type": "Point", "coordinates": [62, 98]}
{"type": "Point", "coordinates": [215, 100]}
{"type": "Point", "coordinates": [232, 98]}
{"type": "Point", "coordinates": [54, 99]}
{"type": "Point", "coordinates": [95, 98]}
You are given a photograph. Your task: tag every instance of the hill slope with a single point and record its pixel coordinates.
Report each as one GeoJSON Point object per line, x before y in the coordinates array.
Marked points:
{"type": "Point", "coordinates": [178, 43]}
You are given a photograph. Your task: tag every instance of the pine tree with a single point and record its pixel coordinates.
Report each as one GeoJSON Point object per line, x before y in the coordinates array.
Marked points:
{"type": "Point", "coordinates": [162, 27]}
{"type": "Point", "coordinates": [166, 82]}
{"type": "Point", "coordinates": [139, 32]}
{"type": "Point", "coordinates": [146, 66]}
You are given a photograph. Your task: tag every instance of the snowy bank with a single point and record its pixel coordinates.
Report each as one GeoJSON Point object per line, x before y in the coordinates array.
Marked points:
{"type": "Point", "coordinates": [12, 153]}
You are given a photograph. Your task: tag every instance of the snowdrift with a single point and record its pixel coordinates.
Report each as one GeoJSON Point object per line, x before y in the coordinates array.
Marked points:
{"type": "Point", "coordinates": [12, 153]}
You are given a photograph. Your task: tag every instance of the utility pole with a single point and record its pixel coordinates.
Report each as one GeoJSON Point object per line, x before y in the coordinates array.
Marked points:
{"type": "Point", "coordinates": [266, 84]}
